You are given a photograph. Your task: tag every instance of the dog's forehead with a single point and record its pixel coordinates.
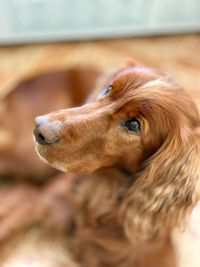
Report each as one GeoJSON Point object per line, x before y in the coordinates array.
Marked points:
{"type": "Point", "coordinates": [133, 77]}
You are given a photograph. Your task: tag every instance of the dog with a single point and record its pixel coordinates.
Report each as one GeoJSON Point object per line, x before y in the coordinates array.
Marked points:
{"type": "Point", "coordinates": [134, 149]}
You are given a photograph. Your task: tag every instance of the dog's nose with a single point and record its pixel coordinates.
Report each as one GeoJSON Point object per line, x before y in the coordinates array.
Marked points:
{"type": "Point", "coordinates": [45, 133]}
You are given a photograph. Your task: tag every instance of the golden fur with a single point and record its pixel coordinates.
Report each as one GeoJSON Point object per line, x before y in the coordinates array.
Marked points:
{"type": "Point", "coordinates": [130, 189]}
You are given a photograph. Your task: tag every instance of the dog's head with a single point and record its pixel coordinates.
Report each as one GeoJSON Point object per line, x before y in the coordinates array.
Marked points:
{"type": "Point", "coordinates": [140, 121]}
{"type": "Point", "coordinates": [134, 114]}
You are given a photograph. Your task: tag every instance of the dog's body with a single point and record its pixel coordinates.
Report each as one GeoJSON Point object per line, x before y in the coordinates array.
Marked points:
{"type": "Point", "coordinates": [135, 148]}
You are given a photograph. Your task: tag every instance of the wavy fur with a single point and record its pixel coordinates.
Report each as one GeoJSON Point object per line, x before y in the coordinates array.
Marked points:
{"type": "Point", "coordinates": [132, 190]}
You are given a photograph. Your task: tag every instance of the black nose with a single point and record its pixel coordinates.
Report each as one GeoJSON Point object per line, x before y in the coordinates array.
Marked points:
{"type": "Point", "coordinates": [44, 132]}
{"type": "Point", "coordinates": [40, 138]}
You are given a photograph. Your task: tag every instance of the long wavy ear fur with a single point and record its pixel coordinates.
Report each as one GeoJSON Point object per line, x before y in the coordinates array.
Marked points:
{"type": "Point", "coordinates": [166, 190]}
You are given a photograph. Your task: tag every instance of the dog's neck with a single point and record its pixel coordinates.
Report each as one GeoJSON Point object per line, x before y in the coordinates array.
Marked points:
{"type": "Point", "coordinates": [106, 185]}
{"type": "Point", "coordinates": [128, 167]}
{"type": "Point", "coordinates": [95, 202]}
{"type": "Point", "coordinates": [124, 170]}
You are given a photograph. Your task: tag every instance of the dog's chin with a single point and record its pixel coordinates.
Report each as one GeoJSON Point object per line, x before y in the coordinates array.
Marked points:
{"type": "Point", "coordinates": [55, 164]}
{"type": "Point", "coordinates": [79, 169]}
{"type": "Point", "coordinates": [59, 166]}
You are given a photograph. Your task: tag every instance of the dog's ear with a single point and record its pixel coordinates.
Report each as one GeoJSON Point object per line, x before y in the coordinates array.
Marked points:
{"type": "Point", "coordinates": [165, 191]}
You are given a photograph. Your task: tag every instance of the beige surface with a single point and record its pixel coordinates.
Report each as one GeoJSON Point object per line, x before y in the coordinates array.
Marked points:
{"type": "Point", "coordinates": [177, 55]}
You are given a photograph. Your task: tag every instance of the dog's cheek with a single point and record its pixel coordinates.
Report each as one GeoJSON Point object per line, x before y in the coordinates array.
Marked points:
{"type": "Point", "coordinates": [111, 148]}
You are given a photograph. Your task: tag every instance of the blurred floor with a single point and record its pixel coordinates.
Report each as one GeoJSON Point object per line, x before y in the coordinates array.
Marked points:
{"type": "Point", "coordinates": [177, 55]}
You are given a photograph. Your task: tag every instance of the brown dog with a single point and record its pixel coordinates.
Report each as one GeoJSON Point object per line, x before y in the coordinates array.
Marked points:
{"type": "Point", "coordinates": [136, 150]}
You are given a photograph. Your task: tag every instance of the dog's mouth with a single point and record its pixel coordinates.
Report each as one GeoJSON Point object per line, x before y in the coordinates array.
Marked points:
{"type": "Point", "coordinates": [44, 154]}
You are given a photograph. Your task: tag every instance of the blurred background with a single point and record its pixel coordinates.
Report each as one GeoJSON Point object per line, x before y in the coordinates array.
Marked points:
{"type": "Point", "coordinates": [51, 54]}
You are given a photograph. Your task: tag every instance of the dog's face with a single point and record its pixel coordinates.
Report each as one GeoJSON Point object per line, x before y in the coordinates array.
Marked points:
{"type": "Point", "coordinates": [136, 110]}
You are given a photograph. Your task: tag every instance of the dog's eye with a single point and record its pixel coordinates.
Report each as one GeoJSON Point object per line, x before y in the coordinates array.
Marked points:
{"type": "Point", "coordinates": [131, 125]}
{"type": "Point", "coordinates": [106, 90]}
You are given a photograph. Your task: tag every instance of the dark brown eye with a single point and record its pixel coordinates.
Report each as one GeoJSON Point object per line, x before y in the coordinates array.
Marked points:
{"type": "Point", "coordinates": [131, 125]}
{"type": "Point", "coordinates": [106, 90]}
